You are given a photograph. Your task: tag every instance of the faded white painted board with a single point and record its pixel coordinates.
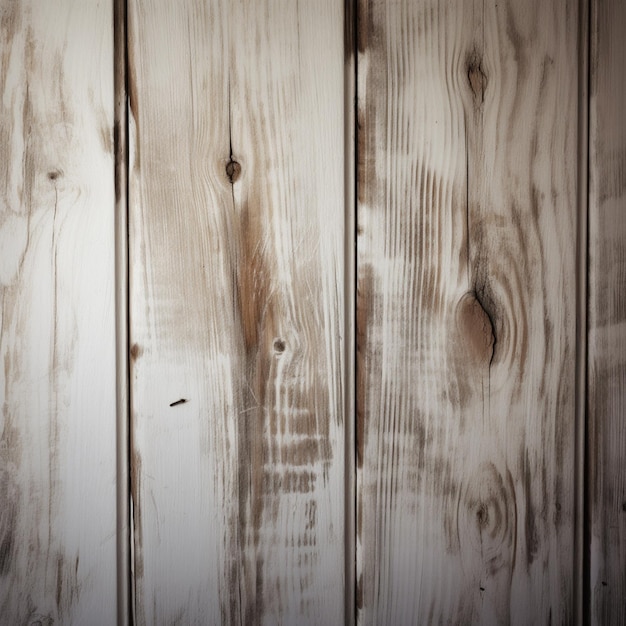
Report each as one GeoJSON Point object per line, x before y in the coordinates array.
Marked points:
{"type": "Point", "coordinates": [466, 308]}
{"type": "Point", "coordinates": [237, 310]}
{"type": "Point", "coordinates": [607, 313]}
{"type": "Point", "coordinates": [57, 315]}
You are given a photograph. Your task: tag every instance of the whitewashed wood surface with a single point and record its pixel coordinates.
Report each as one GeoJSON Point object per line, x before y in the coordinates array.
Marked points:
{"type": "Point", "coordinates": [467, 189]}
{"type": "Point", "coordinates": [246, 341]}
{"type": "Point", "coordinates": [607, 314]}
{"type": "Point", "coordinates": [57, 314]}
{"type": "Point", "coordinates": [237, 311]}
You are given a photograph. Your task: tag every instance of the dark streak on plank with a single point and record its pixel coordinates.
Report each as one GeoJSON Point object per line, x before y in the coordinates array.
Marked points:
{"type": "Point", "coordinates": [349, 34]}
{"type": "Point", "coordinates": [606, 316]}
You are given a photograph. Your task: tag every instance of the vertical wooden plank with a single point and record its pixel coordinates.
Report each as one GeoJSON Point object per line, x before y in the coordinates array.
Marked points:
{"type": "Point", "coordinates": [120, 146]}
{"type": "Point", "coordinates": [607, 313]}
{"type": "Point", "coordinates": [350, 14]}
{"type": "Point", "coordinates": [57, 324]}
{"type": "Point", "coordinates": [466, 339]}
{"type": "Point", "coordinates": [237, 310]}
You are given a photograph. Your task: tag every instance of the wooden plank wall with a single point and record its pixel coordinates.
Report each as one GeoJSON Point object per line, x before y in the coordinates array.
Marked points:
{"type": "Point", "coordinates": [237, 310]}
{"type": "Point", "coordinates": [57, 314]}
{"type": "Point", "coordinates": [461, 364]}
{"type": "Point", "coordinates": [607, 314]}
{"type": "Point", "coordinates": [466, 379]}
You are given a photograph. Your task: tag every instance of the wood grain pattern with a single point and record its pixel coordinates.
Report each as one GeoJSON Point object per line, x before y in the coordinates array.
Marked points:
{"type": "Point", "coordinates": [607, 314]}
{"type": "Point", "coordinates": [237, 270]}
{"type": "Point", "coordinates": [466, 307]}
{"type": "Point", "coordinates": [57, 314]}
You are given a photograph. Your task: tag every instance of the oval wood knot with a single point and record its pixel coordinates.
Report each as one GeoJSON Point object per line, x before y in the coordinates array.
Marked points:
{"type": "Point", "coordinates": [487, 517]}
{"type": "Point", "coordinates": [476, 76]}
{"type": "Point", "coordinates": [476, 328]}
{"type": "Point", "coordinates": [233, 171]}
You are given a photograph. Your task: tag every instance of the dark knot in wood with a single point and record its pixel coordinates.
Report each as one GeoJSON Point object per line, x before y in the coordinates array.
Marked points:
{"type": "Point", "coordinates": [476, 328]}
{"type": "Point", "coordinates": [233, 171]}
{"type": "Point", "coordinates": [476, 77]}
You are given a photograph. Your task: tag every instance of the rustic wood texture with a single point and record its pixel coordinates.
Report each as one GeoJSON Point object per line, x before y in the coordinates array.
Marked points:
{"type": "Point", "coordinates": [466, 308]}
{"type": "Point", "coordinates": [607, 314]}
{"type": "Point", "coordinates": [236, 305]}
{"type": "Point", "coordinates": [120, 147]}
{"type": "Point", "coordinates": [57, 314]}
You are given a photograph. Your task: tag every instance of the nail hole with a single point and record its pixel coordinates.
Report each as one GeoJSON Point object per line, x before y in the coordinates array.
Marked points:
{"type": "Point", "coordinates": [279, 346]}
{"type": "Point", "coordinates": [54, 174]}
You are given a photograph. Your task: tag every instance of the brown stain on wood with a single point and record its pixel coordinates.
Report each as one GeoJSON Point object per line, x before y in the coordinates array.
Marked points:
{"type": "Point", "coordinates": [261, 428]}
{"type": "Point", "coordinates": [252, 289]}
{"type": "Point", "coordinates": [107, 139]}
{"type": "Point", "coordinates": [349, 35]}
{"type": "Point", "coordinates": [132, 91]}
{"type": "Point", "coordinates": [135, 351]}
{"type": "Point", "coordinates": [363, 311]}
{"type": "Point", "coordinates": [10, 453]}
{"type": "Point", "coordinates": [136, 490]}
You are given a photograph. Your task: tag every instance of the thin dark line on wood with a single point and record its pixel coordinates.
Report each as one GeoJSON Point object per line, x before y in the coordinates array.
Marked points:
{"type": "Point", "coordinates": [122, 315]}
{"type": "Point", "coordinates": [582, 591]}
{"type": "Point", "coordinates": [350, 286]}
{"type": "Point", "coordinates": [467, 205]}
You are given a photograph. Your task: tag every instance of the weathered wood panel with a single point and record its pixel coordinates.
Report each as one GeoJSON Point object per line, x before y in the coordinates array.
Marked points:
{"type": "Point", "coordinates": [236, 305]}
{"type": "Point", "coordinates": [120, 147]}
{"type": "Point", "coordinates": [467, 196]}
{"type": "Point", "coordinates": [57, 320]}
{"type": "Point", "coordinates": [607, 313]}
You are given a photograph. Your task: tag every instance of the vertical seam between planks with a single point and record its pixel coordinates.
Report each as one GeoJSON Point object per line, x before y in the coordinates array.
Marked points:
{"type": "Point", "coordinates": [581, 539]}
{"type": "Point", "coordinates": [350, 286]}
{"type": "Point", "coordinates": [120, 126]}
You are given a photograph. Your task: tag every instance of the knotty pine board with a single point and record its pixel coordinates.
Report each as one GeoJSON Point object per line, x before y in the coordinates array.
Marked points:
{"type": "Point", "coordinates": [466, 311]}
{"type": "Point", "coordinates": [607, 314]}
{"type": "Point", "coordinates": [236, 203]}
{"type": "Point", "coordinates": [57, 314]}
